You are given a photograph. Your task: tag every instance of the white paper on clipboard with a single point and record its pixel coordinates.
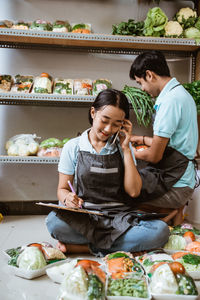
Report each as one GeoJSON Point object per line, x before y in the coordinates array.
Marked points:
{"type": "Point", "coordinates": [78, 210]}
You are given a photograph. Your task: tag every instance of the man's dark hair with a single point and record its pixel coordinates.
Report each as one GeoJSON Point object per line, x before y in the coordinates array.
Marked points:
{"type": "Point", "coordinates": [151, 60]}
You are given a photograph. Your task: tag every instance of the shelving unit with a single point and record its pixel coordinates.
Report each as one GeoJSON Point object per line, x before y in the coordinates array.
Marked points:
{"type": "Point", "coordinates": [95, 43]}
{"type": "Point", "coordinates": [90, 43]}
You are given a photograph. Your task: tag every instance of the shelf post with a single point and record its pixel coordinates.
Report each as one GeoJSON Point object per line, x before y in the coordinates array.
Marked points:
{"type": "Point", "coordinates": [197, 77]}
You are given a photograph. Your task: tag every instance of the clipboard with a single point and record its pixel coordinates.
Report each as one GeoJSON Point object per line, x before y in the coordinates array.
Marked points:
{"type": "Point", "coordinates": [77, 210]}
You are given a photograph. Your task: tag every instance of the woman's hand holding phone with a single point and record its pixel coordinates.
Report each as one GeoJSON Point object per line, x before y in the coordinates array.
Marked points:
{"type": "Point", "coordinates": [125, 134]}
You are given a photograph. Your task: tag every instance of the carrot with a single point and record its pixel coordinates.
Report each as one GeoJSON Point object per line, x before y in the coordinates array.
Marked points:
{"type": "Point", "coordinates": [194, 247]}
{"type": "Point", "coordinates": [81, 30]}
{"type": "Point", "coordinates": [115, 264]}
{"type": "Point", "coordinates": [86, 86]}
{"type": "Point", "coordinates": [39, 246]}
{"type": "Point", "coordinates": [44, 75]}
{"type": "Point", "coordinates": [87, 264]}
{"type": "Point", "coordinates": [180, 254]}
{"type": "Point", "coordinates": [99, 273]}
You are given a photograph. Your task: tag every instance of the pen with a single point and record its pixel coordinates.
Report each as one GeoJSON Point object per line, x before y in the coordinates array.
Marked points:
{"type": "Point", "coordinates": [72, 189]}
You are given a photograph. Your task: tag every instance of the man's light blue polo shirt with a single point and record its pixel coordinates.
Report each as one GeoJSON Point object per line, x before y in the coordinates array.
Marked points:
{"type": "Point", "coordinates": [176, 119]}
{"type": "Point", "coordinates": [69, 155]}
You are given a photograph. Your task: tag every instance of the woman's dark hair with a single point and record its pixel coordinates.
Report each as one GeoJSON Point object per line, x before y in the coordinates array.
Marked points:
{"type": "Point", "coordinates": [151, 60]}
{"type": "Point", "coordinates": [110, 97]}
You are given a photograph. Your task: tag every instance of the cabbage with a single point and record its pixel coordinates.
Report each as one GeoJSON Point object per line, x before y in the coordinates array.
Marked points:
{"type": "Point", "coordinates": [192, 33]}
{"type": "Point", "coordinates": [175, 242]}
{"type": "Point", "coordinates": [31, 259]}
{"type": "Point", "coordinates": [155, 22]}
{"type": "Point", "coordinates": [74, 285]}
{"type": "Point", "coordinates": [57, 273]}
{"type": "Point", "coordinates": [163, 281]}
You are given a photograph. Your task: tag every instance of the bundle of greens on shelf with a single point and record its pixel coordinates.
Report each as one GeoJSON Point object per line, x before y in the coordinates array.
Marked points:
{"type": "Point", "coordinates": [154, 24]}
{"type": "Point", "coordinates": [194, 89]}
{"type": "Point", "coordinates": [142, 104]}
{"type": "Point", "coordinates": [129, 28]}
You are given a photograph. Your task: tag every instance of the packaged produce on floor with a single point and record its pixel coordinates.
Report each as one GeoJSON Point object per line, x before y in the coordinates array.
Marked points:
{"type": "Point", "coordinates": [100, 85]}
{"type": "Point", "coordinates": [61, 26]}
{"type": "Point", "coordinates": [183, 237]}
{"type": "Point", "coordinates": [5, 83]}
{"type": "Point", "coordinates": [43, 84]}
{"type": "Point", "coordinates": [22, 84]}
{"type": "Point", "coordinates": [63, 86]}
{"type": "Point", "coordinates": [151, 260]}
{"type": "Point", "coordinates": [22, 145]}
{"type": "Point", "coordinates": [118, 264]}
{"type": "Point", "coordinates": [32, 260]}
{"type": "Point", "coordinates": [171, 279]}
{"type": "Point", "coordinates": [84, 280]}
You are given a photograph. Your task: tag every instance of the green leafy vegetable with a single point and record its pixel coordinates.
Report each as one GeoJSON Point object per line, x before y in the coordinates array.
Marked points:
{"type": "Point", "coordinates": [192, 33]}
{"type": "Point", "coordinates": [131, 287]}
{"type": "Point", "coordinates": [51, 142]}
{"type": "Point", "coordinates": [155, 22]}
{"type": "Point", "coordinates": [129, 28]}
{"type": "Point", "coordinates": [95, 288]}
{"type": "Point", "coordinates": [31, 259]}
{"type": "Point", "coordinates": [186, 285]}
{"type": "Point", "coordinates": [191, 259]}
{"type": "Point", "coordinates": [116, 255]}
{"type": "Point", "coordinates": [142, 104]}
{"type": "Point", "coordinates": [194, 89]}
{"type": "Point", "coordinates": [13, 253]}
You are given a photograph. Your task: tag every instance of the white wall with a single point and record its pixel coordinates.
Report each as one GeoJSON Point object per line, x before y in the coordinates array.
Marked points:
{"type": "Point", "coordinates": [39, 182]}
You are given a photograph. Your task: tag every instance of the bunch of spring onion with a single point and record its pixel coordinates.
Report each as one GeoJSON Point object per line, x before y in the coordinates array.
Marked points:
{"type": "Point", "coordinates": [142, 104]}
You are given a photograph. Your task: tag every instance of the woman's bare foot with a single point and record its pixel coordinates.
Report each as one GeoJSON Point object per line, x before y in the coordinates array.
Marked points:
{"type": "Point", "coordinates": [61, 246]}
{"type": "Point", "coordinates": [72, 248]}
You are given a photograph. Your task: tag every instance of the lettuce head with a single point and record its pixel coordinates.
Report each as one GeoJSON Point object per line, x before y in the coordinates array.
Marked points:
{"type": "Point", "coordinates": [155, 22]}
{"type": "Point", "coordinates": [175, 242]}
{"type": "Point", "coordinates": [31, 259]}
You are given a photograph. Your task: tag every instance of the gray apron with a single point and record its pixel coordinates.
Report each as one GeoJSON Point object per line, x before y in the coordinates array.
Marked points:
{"type": "Point", "coordinates": [159, 178]}
{"type": "Point", "coordinates": [100, 181]}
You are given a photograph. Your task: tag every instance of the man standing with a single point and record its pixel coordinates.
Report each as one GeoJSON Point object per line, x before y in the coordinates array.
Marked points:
{"type": "Point", "coordinates": [169, 178]}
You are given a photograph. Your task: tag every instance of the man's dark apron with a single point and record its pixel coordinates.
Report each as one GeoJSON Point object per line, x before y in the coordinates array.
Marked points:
{"type": "Point", "coordinates": [159, 178]}
{"type": "Point", "coordinates": [100, 181]}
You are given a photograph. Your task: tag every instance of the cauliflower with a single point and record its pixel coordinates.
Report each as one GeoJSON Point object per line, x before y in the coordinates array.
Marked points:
{"type": "Point", "coordinates": [186, 17]}
{"type": "Point", "coordinates": [173, 28]}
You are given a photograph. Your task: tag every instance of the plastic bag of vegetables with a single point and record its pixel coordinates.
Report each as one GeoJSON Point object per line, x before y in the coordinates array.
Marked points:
{"type": "Point", "coordinates": [22, 145]}
{"type": "Point", "coordinates": [172, 279]}
{"type": "Point", "coordinates": [84, 282]}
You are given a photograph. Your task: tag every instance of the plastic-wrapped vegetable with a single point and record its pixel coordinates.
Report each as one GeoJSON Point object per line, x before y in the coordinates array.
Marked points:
{"type": "Point", "coordinates": [5, 83]}
{"type": "Point", "coordinates": [51, 142]}
{"type": "Point", "coordinates": [100, 85]}
{"type": "Point", "coordinates": [41, 25]}
{"type": "Point", "coordinates": [74, 285]}
{"type": "Point", "coordinates": [22, 145]}
{"type": "Point", "coordinates": [61, 26]}
{"type": "Point", "coordinates": [81, 28]}
{"type": "Point", "coordinates": [31, 259]}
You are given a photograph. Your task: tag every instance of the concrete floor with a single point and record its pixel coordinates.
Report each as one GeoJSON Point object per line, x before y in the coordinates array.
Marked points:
{"type": "Point", "coordinates": [21, 230]}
